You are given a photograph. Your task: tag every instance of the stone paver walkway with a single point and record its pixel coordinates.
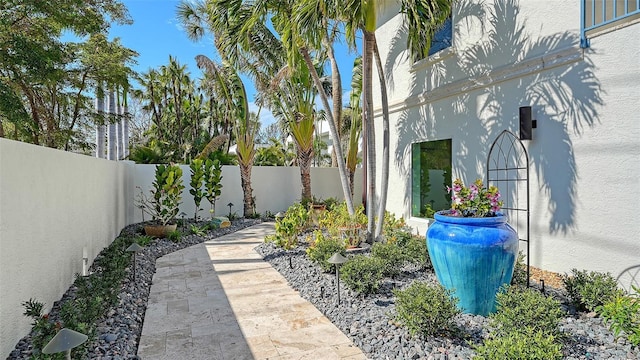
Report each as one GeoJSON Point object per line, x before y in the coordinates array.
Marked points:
{"type": "Point", "coordinates": [220, 300]}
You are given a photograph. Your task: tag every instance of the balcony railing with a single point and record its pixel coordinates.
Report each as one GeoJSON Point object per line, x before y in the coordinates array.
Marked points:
{"type": "Point", "coordinates": [600, 14]}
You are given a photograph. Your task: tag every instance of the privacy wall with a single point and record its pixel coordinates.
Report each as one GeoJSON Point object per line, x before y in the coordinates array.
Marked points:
{"type": "Point", "coordinates": [56, 207]}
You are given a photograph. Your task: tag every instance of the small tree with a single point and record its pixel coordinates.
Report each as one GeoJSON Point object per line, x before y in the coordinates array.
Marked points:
{"type": "Point", "coordinates": [197, 179]}
{"type": "Point", "coordinates": [212, 182]}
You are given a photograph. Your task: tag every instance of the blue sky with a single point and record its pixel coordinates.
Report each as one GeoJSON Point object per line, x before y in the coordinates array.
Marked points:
{"type": "Point", "coordinates": [156, 33]}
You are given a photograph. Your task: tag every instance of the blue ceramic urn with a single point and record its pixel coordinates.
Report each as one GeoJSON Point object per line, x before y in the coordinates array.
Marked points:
{"type": "Point", "coordinates": [473, 257]}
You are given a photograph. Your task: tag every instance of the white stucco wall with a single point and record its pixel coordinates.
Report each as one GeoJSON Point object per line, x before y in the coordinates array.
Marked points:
{"type": "Point", "coordinates": [53, 204]}
{"type": "Point", "coordinates": [584, 154]}
{"type": "Point", "coordinates": [274, 187]}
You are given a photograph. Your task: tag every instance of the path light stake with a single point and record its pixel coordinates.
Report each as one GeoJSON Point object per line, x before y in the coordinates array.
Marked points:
{"type": "Point", "coordinates": [230, 205]}
{"type": "Point", "coordinates": [184, 220]}
{"type": "Point", "coordinates": [134, 248]}
{"type": "Point", "coordinates": [290, 263]}
{"type": "Point", "coordinates": [322, 292]}
{"type": "Point", "coordinates": [64, 341]}
{"type": "Point", "coordinates": [337, 259]}
{"type": "Point", "coordinates": [542, 282]}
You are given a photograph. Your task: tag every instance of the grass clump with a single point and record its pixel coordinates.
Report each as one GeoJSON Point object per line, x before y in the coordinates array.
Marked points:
{"type": "Point", "coordinates": [426, 310]}
{"type": "Point", "coordinates": [590, 289]}
{"type": "Point", "coordinates": [363, 274]}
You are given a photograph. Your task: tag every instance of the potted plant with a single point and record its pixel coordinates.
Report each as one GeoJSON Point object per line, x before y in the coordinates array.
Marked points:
{"type": "Point", "coordinates": [472, 247]}
{"type": "Point", "coordinates": [163, 204]}
{"type": "Point", "coordinates": [340, 224]}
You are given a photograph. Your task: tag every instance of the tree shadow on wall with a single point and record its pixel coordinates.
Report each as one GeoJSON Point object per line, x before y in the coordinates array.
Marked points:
{"type": "Point", "coordinates": [564, 98]}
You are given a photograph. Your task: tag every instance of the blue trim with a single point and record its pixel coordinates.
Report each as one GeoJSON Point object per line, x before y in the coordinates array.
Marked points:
{"type": "Point", "coordinates": [584, 41]}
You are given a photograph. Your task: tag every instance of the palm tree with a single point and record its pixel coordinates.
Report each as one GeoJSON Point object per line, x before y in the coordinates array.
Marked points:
{"type": "Point", "coordinates": [228, 84]}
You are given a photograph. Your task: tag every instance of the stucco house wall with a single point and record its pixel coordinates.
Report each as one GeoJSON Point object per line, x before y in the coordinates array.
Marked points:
{"type": "Point", "coordinates": [584, 156]}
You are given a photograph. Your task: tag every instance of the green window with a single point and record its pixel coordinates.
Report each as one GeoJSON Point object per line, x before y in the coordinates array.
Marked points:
{"type": "Point", "coordinates": [431, 174]}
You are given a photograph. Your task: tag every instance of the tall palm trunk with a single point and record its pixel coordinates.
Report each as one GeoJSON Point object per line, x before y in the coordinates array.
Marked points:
{"type": "Point", "coordinates": [336, 83]}
{"type": "Point", "coordinates": [305, 157]}
{"type": "Point", "coordinates": [100, 128]}
{"type": "Point", "coordinates": [342, 169]}
{"type": "Point", "coordinates": [125, 126]}
{"type": "Point", "coordinates": [119, 147]}
{"type": "Point", "coordinates": [369, 129]}
{"type": "Point", "coordinates": [384, 180]}
{"type": "Point", "coordinates": [111, 129]}
{"type": "Point", "coordinates": [245, 177]}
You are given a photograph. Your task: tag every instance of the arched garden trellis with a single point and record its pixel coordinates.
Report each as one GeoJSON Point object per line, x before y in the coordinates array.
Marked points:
{"type": "Point", "coordinates": [508, 169]}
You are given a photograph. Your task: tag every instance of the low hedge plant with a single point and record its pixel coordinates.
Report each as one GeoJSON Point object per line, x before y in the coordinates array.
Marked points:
{"type": "Point", "coordinates": [426, 310]}
{"type": "Point", "coordinates": [590, 289]}
{"type": "Point", "coordinates": [363, 274]}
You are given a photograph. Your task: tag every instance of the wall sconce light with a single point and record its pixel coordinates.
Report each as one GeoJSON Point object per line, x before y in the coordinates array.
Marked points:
{"type": "Point", "coordinates": [526, 123]}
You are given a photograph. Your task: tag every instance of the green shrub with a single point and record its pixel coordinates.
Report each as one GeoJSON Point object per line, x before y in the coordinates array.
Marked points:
{"type": "Point", "coordinates": [525, 344]}
{"type": "Point", "coordinates": [426, 310]}
{"type": "Point", "coordinates": [338, 216]}
{"type": "Point", "coordinates": [415, 250]}
{"type": "Point", "coordinates": [623, 315]}
{"type": "Point", "coordinates": [392, 256]}
{"type": "Point", "coordinates": [519, 271]}
{"type": "Point", "coordinates": [523, 307]}
{"type": "Point", "coordinates": [589, 290]}
{"type": "Point", "coordinates": [322, 248]}
{"type": "Point", "coordinates": [362, 274]}
{"type": "Point", "coordinates": [393, 228]}
{"type": "Point", "coordinates": [293, 223]}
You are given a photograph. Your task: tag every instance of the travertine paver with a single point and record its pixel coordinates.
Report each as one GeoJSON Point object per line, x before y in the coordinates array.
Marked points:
{"type": "Point", "coordinates": [220, 300]}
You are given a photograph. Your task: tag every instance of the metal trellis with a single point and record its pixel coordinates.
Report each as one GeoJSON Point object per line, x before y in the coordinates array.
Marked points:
{"type": "Point", "coordinates": [508, 169]}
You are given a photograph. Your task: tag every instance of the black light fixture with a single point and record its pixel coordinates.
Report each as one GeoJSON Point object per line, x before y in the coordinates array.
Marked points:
{"type": "Point", "coordinates": [526, 123]}
{"type": "Point", "coordinates": [64, 341]}
{"type": "Point", "coordinates": [337, 259]}
{"type": "Point", "coordinates": [134, 248]}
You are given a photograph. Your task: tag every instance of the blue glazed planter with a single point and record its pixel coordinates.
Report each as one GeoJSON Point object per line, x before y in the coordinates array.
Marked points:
{"type": "Point", "coordinates": [473, 257]}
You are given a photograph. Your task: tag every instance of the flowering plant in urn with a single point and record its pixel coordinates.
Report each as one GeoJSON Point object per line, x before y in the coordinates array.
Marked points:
{"type": "Point", "coordinates": [474, 201]}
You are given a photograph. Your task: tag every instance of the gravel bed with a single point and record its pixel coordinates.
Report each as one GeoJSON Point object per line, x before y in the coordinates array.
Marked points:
{"type": "Point", "coordinates": [118, 333]}
{"type": "Point", "coordinates": [368, 321]}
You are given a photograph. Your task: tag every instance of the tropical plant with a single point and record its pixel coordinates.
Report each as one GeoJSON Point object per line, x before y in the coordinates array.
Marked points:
{"type": "Point", "coordinates": [622, 314]}
{"type": "Point", "coordinates": [165, 197]}
{"type": "Point", "coordinates": [212, 183]}
{"type": "Point", "coordinates": [197, 180]}
{"type": "Point", "coordinates": [47, 81]}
